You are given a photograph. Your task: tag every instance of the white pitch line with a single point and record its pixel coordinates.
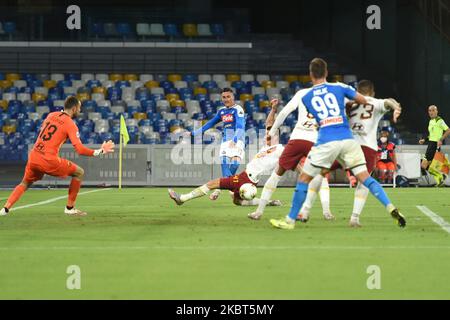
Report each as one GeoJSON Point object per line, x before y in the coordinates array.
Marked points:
{"type": "Point", "coordinates": [54, 200]}
{"type": "Point", "coordinates": [258, 248]}
{"type": "Point", "coordinates": [435, 218]}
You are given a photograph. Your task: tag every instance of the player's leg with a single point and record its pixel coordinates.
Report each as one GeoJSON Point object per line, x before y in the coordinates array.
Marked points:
{"type": "Point", "coordinates": [31, 175]}
{"type": "Point", "coordinates": [353, 157]}
{"type": "Point", "coordinates": [311, 196]}
{"type": "Point", "coordinates": [377, 191]}
{"type": "Point", "coordinates": [234, 166]}
{"type": "Point", "coordinates": [17, 193]}
{"type": "Point", "coordinates": [196, 193]}
{"type": "Point", "coordinates": [294, 151]}
{"type": "Point", "coordinates": [226, 163]}
{"type": "Point", "coordinates": [74, 189]}
{"type": "Point", "coordinates": [361, 192]}
{"type": "Point", "coordinates": [324, 194]}
{"type": "Point", "coordinates": [266, 195]}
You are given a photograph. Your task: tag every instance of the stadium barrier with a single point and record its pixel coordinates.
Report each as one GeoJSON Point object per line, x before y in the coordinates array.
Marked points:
{"type": "Point", "coordinates": [175, 165]}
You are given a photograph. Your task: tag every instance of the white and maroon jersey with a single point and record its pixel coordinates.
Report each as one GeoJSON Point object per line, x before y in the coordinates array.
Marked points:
{"type": "Point", "coordinates": [364, 121]}
{"type": "Point", "coordinates": [306, 128]}
{"type": "Point", "coordinates": [264, 162]}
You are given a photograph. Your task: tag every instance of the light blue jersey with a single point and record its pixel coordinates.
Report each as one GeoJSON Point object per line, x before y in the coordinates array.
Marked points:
{"type": "Point", "coordinates": [233, 120]}
{"type": "Point", "coordinates": [326, 102]}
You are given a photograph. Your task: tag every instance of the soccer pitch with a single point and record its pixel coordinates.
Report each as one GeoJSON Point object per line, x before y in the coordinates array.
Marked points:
{"type": "Point", "coordinates": [137, 244]}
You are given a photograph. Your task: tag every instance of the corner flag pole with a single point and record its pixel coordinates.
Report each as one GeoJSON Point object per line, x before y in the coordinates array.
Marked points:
{"type": "Point", "coordinates": [120, 162]}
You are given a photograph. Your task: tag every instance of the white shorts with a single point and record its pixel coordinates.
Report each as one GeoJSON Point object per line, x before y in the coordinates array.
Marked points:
{"type": "Point", "coordinates": [237, 151]}
{"type": "Point", "coordinates": [347, 152]}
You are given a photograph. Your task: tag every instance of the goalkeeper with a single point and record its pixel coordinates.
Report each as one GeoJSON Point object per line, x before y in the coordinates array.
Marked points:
{"type": "Point", "coordinates": [438, 132]}
{"type": "Point", "coordinates": [44, 157]}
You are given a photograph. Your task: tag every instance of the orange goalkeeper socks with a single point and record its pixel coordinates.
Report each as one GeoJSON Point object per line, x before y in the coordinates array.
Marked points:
{"type": "Point", "coordinates": [15, 196]}
{"type": "Point", "coordinates": [74, 188]}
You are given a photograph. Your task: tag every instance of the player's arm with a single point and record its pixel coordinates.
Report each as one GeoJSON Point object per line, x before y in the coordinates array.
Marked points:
{"type": "Point", "coordinates": [351, 94]}
{"type": "Point", "coordinates": [287, 110]}
{"type": "Point", "coordinates": [239, 130]}
{"type": "Point", "coordinates": [392, 104]}
{"type": "Point", "coordinates": [211, 123]}
{"type": "Point", "coordinates": [272, 115]}
{"type": "Point", "coordinates": [74, 136]}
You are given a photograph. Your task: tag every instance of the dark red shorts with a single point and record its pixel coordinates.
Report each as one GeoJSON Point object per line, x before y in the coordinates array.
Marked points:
{"type": "Point", "coordinates": [370, 156]}
{"type": "Point", "coordinates": [234, 183]}
{"type": "Point", "coordinates": [293, 153]}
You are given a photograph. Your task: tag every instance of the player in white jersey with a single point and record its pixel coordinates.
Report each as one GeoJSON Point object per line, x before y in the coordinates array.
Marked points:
{"type": "Point", "coordinates": [363, 120]}
{"type": "Point", "coordinates": [301, 141]}
{"type": "Point", "coordinates": [264, 163]}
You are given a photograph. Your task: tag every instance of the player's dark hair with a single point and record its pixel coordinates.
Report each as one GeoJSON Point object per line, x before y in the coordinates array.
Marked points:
{"type": "Point", "coordinates": [318, 68]}
{"type": "Point", "coordinates": [227, 90]}
{"type": "Point", "coordinates": [366, 87]}
{"type": "Point", "coordinates": [71, 102]}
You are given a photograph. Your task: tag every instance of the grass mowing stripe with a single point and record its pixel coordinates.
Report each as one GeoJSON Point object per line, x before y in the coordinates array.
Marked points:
{"type": "Point", "coordinates": [435, 218]}
{"type": "Point", "coordinates": [54, 200]}
{"type": "Point", "coordinates": [258, 248]}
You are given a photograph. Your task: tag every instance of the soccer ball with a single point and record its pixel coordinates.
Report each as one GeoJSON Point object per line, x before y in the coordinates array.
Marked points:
{"type": "Point", "coordinates": [248, 191]}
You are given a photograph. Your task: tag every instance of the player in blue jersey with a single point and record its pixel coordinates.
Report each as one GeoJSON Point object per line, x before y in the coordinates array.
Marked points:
{"type": "Point", "coordinates": [232, 150]}
{"type": "Point", "coordinates": [326, 102]}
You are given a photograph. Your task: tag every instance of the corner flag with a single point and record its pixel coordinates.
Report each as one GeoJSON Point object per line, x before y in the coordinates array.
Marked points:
{"type": "Point", "coordinates": [125, 138]}
{"type": "Point", "coordinates": [124, 131]}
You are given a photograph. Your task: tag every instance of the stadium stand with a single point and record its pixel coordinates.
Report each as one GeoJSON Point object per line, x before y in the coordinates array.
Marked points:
{"type": "Point", "coordinates": [152, 109]}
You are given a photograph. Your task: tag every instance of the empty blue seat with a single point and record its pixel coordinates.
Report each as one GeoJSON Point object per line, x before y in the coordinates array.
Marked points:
{"type": "Point", "coordinates": [166, 84]}
{"type": "Point", "coordinates": [64, 83]}
{"type": "Point", "coordinates": [122, 84]}
{"type": "Point", "coordinates": [34, 83]}
{"type": "Point", "coordinates": [156, 97]}
{"type": "Point", "coordinates": [114, 93]}
{"type": "Point", "coordinates": [72, 76]}
{"type": "Point", "coordinates": [190, 77]}
{"type": "Point", "coordinates": [171, 30]}
{"type": "Point", "coordinates": [93, 83]}
{"type": "Point", "coordinates": [171, 91]}
{"type": "Point", "coordinates": [217, 29]}
{"type": "Point", "coordinates": [201, 97]}
{"type": "Point", "coordinates": [209, 84]}
{"type": "Point", "coordinates": [124, 30]}
{"type": "Point", "coordinates": [28, 90]}
{"type": "Point", "coordinates": [12, 90]}
{"type": "Point", "coordinates": [9, 27]}
{"type": "Point", "coordinates": [238, 84]}
{"type": "Point", "coordinates": [148, 105]}
{"type": "Point", "coordinates": [97, 30]}
{"type": "Point", "coordinates": [142, 95]}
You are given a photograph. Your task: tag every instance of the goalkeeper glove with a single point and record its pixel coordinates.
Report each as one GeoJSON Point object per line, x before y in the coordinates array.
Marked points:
{"type": "Point", "coordinates": [107, 147]}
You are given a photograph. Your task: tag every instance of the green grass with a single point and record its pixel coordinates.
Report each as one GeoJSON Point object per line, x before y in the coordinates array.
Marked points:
{"type": "Point", "coordinates": [136, 244]}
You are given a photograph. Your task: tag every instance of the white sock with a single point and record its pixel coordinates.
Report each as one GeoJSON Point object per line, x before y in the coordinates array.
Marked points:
{"type": "Point", "coordinates": [269, 189]}
{"type": "Point", "coordinates": [325, 196]}
{"type": "Point", "coordinates": [250, 203]}
{"type": "Point", "coordinates": [361, 194]}
{"type": "Point", "coordinates": [313, 189]}
{"type": "Point", "coordinates": [196, 193]}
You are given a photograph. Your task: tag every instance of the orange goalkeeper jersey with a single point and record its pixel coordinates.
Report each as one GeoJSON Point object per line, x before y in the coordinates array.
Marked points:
{"type": "Point", "coordinates": [56, 128]}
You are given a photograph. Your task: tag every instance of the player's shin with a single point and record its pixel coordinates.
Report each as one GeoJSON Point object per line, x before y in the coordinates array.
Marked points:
{"type": "Point", "coordinates": [226, 172]}
{"type": "Point", "coordinates": [361, 194]}
{"type": "Point", "coordinates": [325, 197]}
{"type": "Point", "coordinates": [313, 190]}
{"type": "Point", "coordinates": [250, 203]}
{"type": "Point", "coordinates": [15, 196]}
{"type": "Point", "coordinates": [234, 166]}
{"type": "Point", "coordinates": [196, 193]}
{"type": "Point", "coordinates": [74, 188]}
{"type": "Point", "coordinates": [266, 195]}
{"type": "Point", "coordinates": [377, 191]}
{"type": "Point", "coordinates": [298, 199]}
